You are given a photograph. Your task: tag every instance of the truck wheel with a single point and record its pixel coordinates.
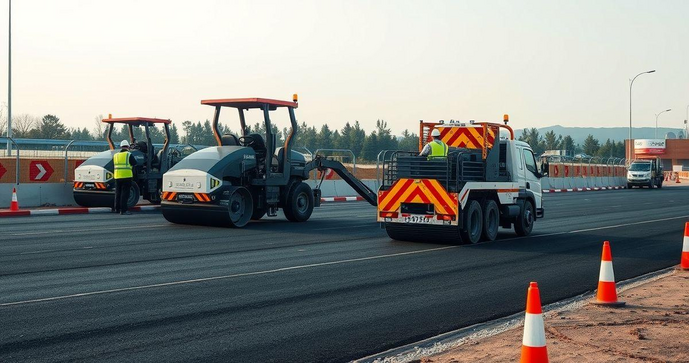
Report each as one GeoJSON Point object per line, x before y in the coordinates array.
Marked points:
{"type": "Point", "coordinates": [491, 220]}
{"type": "Point", "coordinates": [134, 195]}
{"type": "Point", "coordinates": [299, 203]}
{"type": "Point", "coordinates": [629, 186]}
{"type": "Point", "coordinates": [258, 214]}
{"type": "Point", "coordinates": [240, 207]}
{"type": "Point", "coordinates": [660, 184]}
{"type": "Point", "coordinates": [524, 223]}
{"type": "Point", "coordinates": [473, 223]}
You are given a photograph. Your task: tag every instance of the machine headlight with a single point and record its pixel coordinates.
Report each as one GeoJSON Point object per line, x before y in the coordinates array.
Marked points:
{"type": "Point", "coordinates": [198, 185]}
{"type": "Point", "coordinates": [169, 184]}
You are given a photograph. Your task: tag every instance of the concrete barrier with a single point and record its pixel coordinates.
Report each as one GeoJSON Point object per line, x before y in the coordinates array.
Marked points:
{"type": "Point", "coordinates": [36, 195]}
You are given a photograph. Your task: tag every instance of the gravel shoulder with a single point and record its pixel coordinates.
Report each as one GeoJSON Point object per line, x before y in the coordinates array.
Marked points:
{"type": "Point", "coordinates": [652, 327]}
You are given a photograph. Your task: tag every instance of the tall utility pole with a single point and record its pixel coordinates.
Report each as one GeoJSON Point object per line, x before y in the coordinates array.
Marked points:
{"type": "Point", "coordinates": [9, 84]}
{"type": "Point", "coordinates": [658, 114]}
{"type": "Point", "coordinates": [631, 145]}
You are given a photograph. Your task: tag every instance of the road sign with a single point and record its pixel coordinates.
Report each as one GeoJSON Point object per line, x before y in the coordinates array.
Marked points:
{"type": "Point", "coordinates": [2, 170]}
{"type": "Point", "coordinates": [40, 170]}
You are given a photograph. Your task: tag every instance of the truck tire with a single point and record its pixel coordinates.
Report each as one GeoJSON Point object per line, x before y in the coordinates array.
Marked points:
{"type": "Point", "coordinates": [134, 195]}
{"type": "Point", "coordinates": [629, 186]}
{"type": "Point", "coordinates": [524, 223]}
{"type": "Point", "coordinates": [240, 207]}
{"type": "Point", "coordinates": [258, 214]}
{"type": "Point", "coordinates": [660, 183]}
{"type": "Point", "coordinates": [473, 223]}
{"type": "Point", "coordinates": [299, 203]}
{"type": "Point", "coordinates": [491, 220]}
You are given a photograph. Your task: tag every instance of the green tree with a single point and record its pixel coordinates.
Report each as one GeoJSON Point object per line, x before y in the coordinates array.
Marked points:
{"type": "Point", "coordinates": [369, 150]}
{"type": "Point", "coordinates": [409, 142]}
{"type": "Point", "coordinates": [51, 127]}
{"type": "Point", "coordinates": [552, 142]}
{"type": "Point", "coordinates": [81, 134]}
{"type": "Point", "coordinates": [567, 144]}
{"type": "Point", "coordinates": [534, 139]}
{"type": "Point", "coordinates": [591, 146]}
{"type": "Point", "coordinates": [325, 138]}
{"type": "Point", "coordinates": [357, 138]}
{"type": "Point", "coordinates": [174, 134]}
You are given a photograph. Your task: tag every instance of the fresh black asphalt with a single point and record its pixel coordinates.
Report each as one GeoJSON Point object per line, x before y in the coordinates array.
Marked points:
{"type": "Point", "coordinates": [135, 288]}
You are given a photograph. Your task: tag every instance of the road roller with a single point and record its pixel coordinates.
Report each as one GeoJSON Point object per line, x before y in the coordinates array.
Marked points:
{"type": "Point", "coordinates": [485, 182]}
{"type": "Point", "coordinates": [247, 177]}
{"type": "Point", "coordinates": [94, 185]}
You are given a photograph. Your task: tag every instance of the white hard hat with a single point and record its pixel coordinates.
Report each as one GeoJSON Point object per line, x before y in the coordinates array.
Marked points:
{"type": "Point", "coordinates": [124, 143]}
{"type": "Point", "coordinates": [435, 133]}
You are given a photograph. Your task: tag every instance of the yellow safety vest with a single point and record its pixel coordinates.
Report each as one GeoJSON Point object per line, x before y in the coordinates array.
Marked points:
{"type": "Point", "coordinates": [438, 150]}
{"type": "Point", "coordinates": [123, 169]}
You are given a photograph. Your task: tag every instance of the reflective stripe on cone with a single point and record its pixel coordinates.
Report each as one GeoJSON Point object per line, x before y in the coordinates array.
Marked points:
{"type": "Point", "coordinates": [533, 342]}
{"type": "Point", "coordinates": [685, 248]}
{"type": "Point", "coordinates": [607, 291]}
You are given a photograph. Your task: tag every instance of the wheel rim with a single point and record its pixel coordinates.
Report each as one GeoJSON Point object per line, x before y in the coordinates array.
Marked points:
{"type": "Point", "coordinates": [528, 218]}
{"type": "Point", "coordinates": [302, 203]}
{"type": "Point", "coordinates": [237, 207]}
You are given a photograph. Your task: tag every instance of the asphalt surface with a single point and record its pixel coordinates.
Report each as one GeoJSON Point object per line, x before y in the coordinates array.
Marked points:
{"type": "Point", "coordinates": [136, 288]}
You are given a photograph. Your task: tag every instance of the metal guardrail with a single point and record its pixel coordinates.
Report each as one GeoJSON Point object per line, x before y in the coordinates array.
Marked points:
{"type": "Point", "coordinates": [49, 148]}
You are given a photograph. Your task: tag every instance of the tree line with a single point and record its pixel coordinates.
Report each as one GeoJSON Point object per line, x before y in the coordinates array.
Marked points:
{"type": "Point", "coordinates": [590, 147]}
{"type": "Point", "coordinates": [364, 145]}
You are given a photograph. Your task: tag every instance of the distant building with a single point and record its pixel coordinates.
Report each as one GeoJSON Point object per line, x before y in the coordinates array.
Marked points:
{"type": "Point", "coordinates": [670, 151]}
{"type": "Point", "coordinates": [569, 153]}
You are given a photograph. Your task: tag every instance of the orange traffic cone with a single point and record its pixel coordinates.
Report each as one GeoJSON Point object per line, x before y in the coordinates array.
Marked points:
{"type": "Point", "coordinates": [14, 205]}
{"type": "Point", "coordinates": [533, 343]}
{"type": "Point", "coordinates": [607, 293]}
{"type": "Point", "coordinates": [685, 249]}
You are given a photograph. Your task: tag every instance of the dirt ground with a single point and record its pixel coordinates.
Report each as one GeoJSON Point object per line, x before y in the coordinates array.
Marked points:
{"type": "Point", "coordinates": [652, 327]}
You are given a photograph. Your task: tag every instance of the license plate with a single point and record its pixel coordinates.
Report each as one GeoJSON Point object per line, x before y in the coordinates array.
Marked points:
{"type": "Point", "coordinates": [89, 185]}
{"type": "Point", "coordinates": [418, 219]}
{"type": "Point", "coordinates": [185, 198]}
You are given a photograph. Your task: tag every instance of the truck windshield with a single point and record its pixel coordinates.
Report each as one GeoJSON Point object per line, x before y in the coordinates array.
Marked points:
{"type": "Point", "coordinates": [640, 167]}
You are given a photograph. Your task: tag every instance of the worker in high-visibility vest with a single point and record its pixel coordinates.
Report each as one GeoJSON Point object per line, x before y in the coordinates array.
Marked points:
{"type": "Point", "coordinates": [124, 163]}
{"type": "Point", "coordinates": [436, 148]}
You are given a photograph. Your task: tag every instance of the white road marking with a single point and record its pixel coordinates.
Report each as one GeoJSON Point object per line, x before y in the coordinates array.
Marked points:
{"type": "Point", "coordinates": [86, 230]}
{"type": "Point", "coordinates": [299, 267]}
{"type": "Point", "coordinates": [244, 274]}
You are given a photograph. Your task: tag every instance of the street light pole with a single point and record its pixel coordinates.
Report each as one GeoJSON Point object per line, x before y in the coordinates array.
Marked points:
{"type": "Point", "coordinates": [631, 83]}
{"type": "Point", "coordinates": [9, 84]}
{"type": "Point", "coordinates": [658, 114]}
{"type": "Point", "coordinates": [686, 130]}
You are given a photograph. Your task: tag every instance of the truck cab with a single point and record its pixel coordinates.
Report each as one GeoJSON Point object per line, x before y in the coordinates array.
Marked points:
{"type": "Point", "coordinates": [645, 173]}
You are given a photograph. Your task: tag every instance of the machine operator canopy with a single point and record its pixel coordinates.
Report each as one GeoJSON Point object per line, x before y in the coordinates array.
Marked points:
{"type": "Point", "coordinates": [135, 121]}
{"type": "Point", "coordinates": [247, 103]}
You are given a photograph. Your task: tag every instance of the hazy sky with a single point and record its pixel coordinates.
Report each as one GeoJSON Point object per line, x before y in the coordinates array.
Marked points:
{"type": "Point", "coordinates": [543, 62]}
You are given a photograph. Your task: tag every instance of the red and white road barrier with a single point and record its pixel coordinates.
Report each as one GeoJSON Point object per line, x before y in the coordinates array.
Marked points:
{"type": "Point", "coordinates": [71, 210]}
{"type": "Point", "coordinates": [581, 189]}
{"type": "Point", "coordinates": [139, 208]}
